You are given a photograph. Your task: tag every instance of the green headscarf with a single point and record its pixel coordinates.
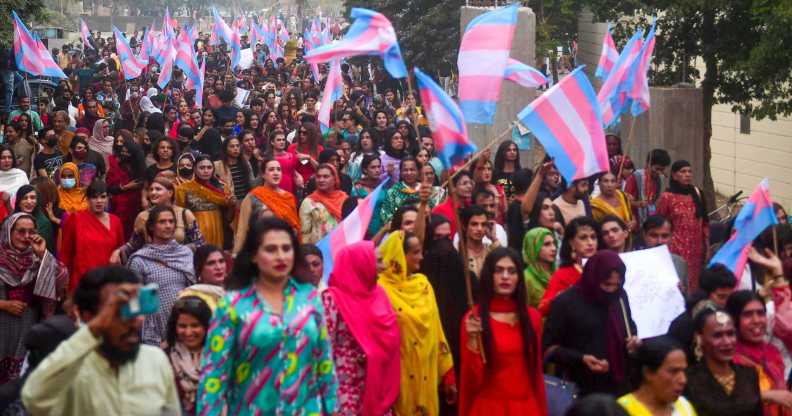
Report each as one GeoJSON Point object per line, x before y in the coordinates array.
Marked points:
{"type": "Point", "coordinates": [536, 277]}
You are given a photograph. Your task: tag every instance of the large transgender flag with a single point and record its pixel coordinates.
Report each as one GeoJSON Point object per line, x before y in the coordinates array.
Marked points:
{"type": "Point", "coordinates": [612, 95]}
{"type": "Point", "coordinates": [446, 120]}
{"type": "Point", "coordinates": [566, 119]}
{"type": "Point", "coordinates": [334, 89]}
{"type": "Point", "coordinates": [754, 217]}
{"type": "Point", "coordinates": [483, 58]}
{"type": "Point", "coordinates": [169, 57]}
{"type": "Point", "coordinates": [30, 54]}
{"type": "Point", "coordinates": [85, 34]}
{"type": "Point", "coordinates": [638, 82]}
{"type": "Point", "coordinates": [371, 33]}
{"type": "Point", "coordinates": [199, 87]}
{"type": "Point", "coordinates": [130, 64]}
{"type": "Point", "coordinates": [525, 75]}
{"type": "Point", "coordinates": [608, 57]}
{"type": "Point", "coordinates": [231, 37]}
{"type": "Point", "coordinates": [351, 230]}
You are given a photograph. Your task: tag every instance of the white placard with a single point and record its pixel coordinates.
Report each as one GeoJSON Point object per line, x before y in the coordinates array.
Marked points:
{"type": "Point", "coordinates": [652, 289]}
{"type": "Point", "coordinates": [246, 58]}
{"type": "Point", "coordinates": [241, 96]}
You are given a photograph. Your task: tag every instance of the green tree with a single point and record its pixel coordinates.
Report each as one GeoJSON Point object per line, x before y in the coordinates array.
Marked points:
{"type": "Point", "coordinates": [743, 44]}
{"type": "Point", "coordinates": [28, 11]}
{"type": "Point", "coordinates": [428, 30]}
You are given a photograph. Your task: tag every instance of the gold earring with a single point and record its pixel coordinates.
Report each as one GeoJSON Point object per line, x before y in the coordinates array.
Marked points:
{"type": "Point", "coordinates": [697, 348]}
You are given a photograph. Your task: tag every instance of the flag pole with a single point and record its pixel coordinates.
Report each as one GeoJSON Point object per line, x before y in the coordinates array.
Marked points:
{"type": "Point", "coordinates": [465, 264]}
{"type": "Point", "coordinates": [626, 149]}
{"type": "Point", "coordinates": [467, 164]}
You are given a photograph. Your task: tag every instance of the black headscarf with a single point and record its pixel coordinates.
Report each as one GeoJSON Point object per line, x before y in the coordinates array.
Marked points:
{"type": "Point", "coordinates": [598, 269]}
{"type": "Point", "coordinates": [677, 188]}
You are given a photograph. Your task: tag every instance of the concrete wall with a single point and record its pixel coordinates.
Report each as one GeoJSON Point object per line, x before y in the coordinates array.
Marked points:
{"type": "Point", "coordinates": [513, 97]}
{"type": "Point", "coordinates": [740, 161]}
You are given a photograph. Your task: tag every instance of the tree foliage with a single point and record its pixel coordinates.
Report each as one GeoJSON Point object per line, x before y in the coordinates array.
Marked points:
{"type": "Point", "coordinates": [428, 30]}
{"type": "Point", "coordinates": [28, 11]}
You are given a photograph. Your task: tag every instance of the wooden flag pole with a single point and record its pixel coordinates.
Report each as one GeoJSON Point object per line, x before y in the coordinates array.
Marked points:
{"type": "Point", "coordinates": [466, 266]}
{"type": "Point", "coordinates": [626, 149]}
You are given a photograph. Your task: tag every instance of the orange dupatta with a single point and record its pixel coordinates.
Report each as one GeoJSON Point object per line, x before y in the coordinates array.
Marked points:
{"type": "Point", "coordinates": [282, 204]}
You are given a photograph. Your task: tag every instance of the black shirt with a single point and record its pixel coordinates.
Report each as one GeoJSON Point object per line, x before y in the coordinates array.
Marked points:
{"type": "Point", "coordinates": [210, 144]}
{"type": "Point", "coordinates": [577, 327]}
{"type": "Point", "coordinates": [50, 163]}
{"type": "Point", "coordinates": [710, 399]}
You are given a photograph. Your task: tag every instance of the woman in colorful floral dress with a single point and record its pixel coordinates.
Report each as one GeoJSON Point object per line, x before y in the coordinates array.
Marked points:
{"type": "Point", "coordinates": [268, 350]}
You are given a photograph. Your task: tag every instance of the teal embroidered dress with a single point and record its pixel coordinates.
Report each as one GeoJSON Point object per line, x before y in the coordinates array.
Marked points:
{"type": "Point", "coordinates": [259, 363]}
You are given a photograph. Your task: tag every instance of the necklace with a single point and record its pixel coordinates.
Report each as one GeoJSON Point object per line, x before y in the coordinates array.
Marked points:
{"type": "Point", "coordinates": [727, 381]}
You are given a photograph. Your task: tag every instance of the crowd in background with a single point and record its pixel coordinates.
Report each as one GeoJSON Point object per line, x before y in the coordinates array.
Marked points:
{"type": "Point", "coordinates": [109, 186]}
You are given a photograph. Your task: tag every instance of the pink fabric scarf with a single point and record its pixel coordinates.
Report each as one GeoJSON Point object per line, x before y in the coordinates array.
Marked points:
{"type": "Point", "coordinates": [367, 312]}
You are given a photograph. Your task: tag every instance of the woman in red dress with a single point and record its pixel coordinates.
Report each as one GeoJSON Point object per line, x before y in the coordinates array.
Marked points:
{"type": "Point", "coordinates": [683, 206]}
{"type": "Point", "coordinates": [511, 380]}
{"type": "Point", "coordinates": [90, 236]}
{"type": "Point", "coordinates": [125, 178]}
{"type": "Point", "coordinates": [581, 241]}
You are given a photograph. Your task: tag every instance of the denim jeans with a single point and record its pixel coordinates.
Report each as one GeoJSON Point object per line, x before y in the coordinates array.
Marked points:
{"type": "Point", "coordinates": [10, 79]}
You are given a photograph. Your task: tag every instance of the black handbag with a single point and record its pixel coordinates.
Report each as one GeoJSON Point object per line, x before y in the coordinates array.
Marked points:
{"type": "Point", "coordinates": [560, 395]}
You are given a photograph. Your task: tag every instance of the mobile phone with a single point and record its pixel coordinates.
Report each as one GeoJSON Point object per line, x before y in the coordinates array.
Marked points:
{"type": "Point", "coordinates": [146, 302]}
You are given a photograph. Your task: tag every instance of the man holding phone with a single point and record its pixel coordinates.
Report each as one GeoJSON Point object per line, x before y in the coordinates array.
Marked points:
{"type": "Point", "coordinates": [103, 369]}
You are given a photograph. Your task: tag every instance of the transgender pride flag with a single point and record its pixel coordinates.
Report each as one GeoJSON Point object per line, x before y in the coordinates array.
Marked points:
{"type": "Point", "coordinates": [754, 217]}
{"type": "Point", "coordinates": [334, 89]}
{"type": "Point", "coordinates": [523, 74]}
{"type": "Point", "coordinates": [638, 83]}
{"type": "Point", "coordinates": [608, 56]}
{"type": "Point", "coordinates": [446, 120]}
{"type": "Point", "coordinates": [566, 119]}
{"type": "Point", "coordinates": [350, 230]}
{"type": "Point", "coordinates": [185, 57]}
{"type": "Point", "coordinates": [371, 33]}
{"type": "Point", "coordinates": [482, 61]}
{"type": "Point", "coordinates": [30, 54]}
{"type": "Point", "coordinates": [612, 95]}
{"type": "Point", "coordinates": [130, 64]}
{"type": "Point", "coordinates": [85, 34]}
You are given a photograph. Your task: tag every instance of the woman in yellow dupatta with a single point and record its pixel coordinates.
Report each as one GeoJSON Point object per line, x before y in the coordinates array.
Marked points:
{"type": "Point", "coordinates": [612, 201]}
{"type": "Point", "coordinates": [70, 194]}
{"type": "Point", "coordinates": [206, 197]}
{"type": "Point", "coordinates": [425, 355]}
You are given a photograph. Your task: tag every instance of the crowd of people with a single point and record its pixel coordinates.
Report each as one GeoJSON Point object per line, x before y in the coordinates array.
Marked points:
{"type": "Point", "coordinates": [474, 288]}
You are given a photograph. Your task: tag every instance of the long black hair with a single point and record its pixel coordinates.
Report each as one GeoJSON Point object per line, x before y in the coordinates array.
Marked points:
{"type": "Point", "coordinates": [190, 305]}
{"type": "Point", "coordinates": [738, 301]}
{"type": "Point", "coordinates": [245, 272]}
{"type": "Point", "coordinates": [137, 159]}
{"type": "Point", "coordinates": [487, 293]}
{"type": "Point", "coordinates": [244, 167]}
{"type": "Point", "coordinates": [500, 160]}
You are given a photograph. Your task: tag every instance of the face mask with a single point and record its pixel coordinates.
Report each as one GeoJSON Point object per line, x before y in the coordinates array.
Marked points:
{"type": "Point", "coordinates": [69, 183]}
{"type": "Point", "coordinates": [80, 155]}
{"type": "Point", "coordinates": [186, 172]}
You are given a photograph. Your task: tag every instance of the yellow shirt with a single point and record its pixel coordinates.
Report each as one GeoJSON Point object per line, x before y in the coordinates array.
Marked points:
{"type": "Point", "coordinates": [76, 380]}
{"type": "Point", "coordinates": [635, 408]}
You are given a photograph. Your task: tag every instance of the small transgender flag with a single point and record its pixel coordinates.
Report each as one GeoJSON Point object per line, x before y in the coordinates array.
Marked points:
{"type": "Point", "coordinates": [371, 33]}
{"type": "Point", "coordinates": [754, 217]}
{"type": "Point", "coordinates": [612, 95]}
{"type": "Point", "coordinates": [446, 120]}
{"type": "Point", "coordinates": [199, 87]}
{"type": "Point", "coordinates": [351, 230]}
{"type": "Point", "coordinates": [566, 119]}
{"type": "Point", "coordinates": [482, 61]}
{"type": "Point", "coordinates": [334, 89]}
{"type": "Point", "coordinates": [639, 83]}
{"type": "Point", "coordinates": [523, 74]}
{"type": "Point", "coordinates": [130, 64]}
{"type": "Point", "coordinates": [608, 57]}
{"type": "Point", "coordinates": [85, 34]}
{"type": "Point", "coordinates": [30, 54]}
{"type": "Point", "coordinates": [166, 70]}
